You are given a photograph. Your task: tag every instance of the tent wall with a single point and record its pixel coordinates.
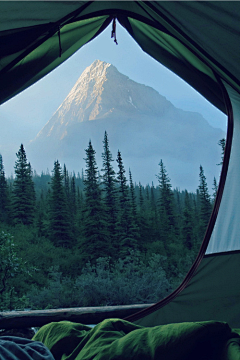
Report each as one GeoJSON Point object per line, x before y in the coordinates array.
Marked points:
{"type": "Point", "coordinates": [212, 294]}
{"type": "Point", "coordinates": [225, 236]}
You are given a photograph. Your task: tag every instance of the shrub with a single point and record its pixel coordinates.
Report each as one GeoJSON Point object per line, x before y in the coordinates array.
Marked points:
{"type": "Point", "coordinates": [11, 266]}
{"type": "Point", "coordinates": [127, 281]}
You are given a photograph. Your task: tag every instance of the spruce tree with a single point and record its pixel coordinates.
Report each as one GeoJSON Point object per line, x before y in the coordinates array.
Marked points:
{"type": "Point", "coordinates": [132, 196]}
{"type": "Point", "coordinates": [79, 212]}
{"type": "Point", "coordinates": [66, 182]}
{"type": "Point", "coordinates": [127, 228]}
{"type": "Point", "coordinates": [23, 194]}
{"type": "Point", "coordinates": [144, 232]}
{"type": "Point", "coordinates": [4, 198]}
{"type": "Point", "coordinates": [166, 196]}
{"type": "Point", "coordinates": [72, 201]}
{"type": "Point", "coordinates": [215, 189]}
{"type": "Point", "coordinates": [187, 227]}
{"type": "Point", "coordinates": [166, 207]}
{"type": "Point", "coordinates": [59, 218]}
{"type": "Point", "coordinates": [222, 143]}
{"type": "Point", "coordinates": [205, 202]}
{"type": "Point", "coordinates": [96, 242]}
{"type": "Point", "coordinates": [154, 219]}
{"type": "Point", "coordinates": [110, 191]}
{"type": "Point", "coordinates": [141, 199]}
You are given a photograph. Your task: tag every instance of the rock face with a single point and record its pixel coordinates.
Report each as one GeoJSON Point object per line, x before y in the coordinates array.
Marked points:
{"type": "Point", "coordinates": [140, 122]}
{"type": "Point", "coordinates": [100, 93]}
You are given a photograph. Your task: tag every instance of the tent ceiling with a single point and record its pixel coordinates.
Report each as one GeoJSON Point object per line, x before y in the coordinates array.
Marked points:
{"type": "Point", "coordinates": [196, 40]}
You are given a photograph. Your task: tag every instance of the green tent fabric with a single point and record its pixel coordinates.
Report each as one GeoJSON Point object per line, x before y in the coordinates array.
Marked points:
{"type": "Point", "coordinates": [195, 40]}
{"type": "Point", "coordinates": [199, 41]}
{"type": "Point", "coordinates": [119, 339]}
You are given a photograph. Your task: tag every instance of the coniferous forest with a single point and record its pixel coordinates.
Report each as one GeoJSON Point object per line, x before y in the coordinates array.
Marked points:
{"type": "Point", "coordinates": [95, 238]}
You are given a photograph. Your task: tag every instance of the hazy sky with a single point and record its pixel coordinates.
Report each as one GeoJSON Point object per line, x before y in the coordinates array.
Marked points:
{"type": "Point", "coordinates": [22, 117]}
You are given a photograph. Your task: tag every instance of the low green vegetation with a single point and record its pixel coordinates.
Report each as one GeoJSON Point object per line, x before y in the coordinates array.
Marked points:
{"type": "Point", "coordinates": [97, 238]}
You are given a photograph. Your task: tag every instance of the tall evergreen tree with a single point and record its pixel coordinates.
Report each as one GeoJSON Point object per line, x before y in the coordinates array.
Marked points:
{"type": "Point", "coordinates": [215, 189]}
{"type": "Point", "coordinates": [79, 212]}
{"type": "Point", "coordinates": [96, 241]}
{"type": "Point", "coordinates": [73, 204]}
{"type": "Point", "coordinates": [60, 225]}
{"type": "Point", "coordinates": [4, 197]}
{"type": "Point", "coordinates": [132, 196]}
{"type": "Point", "coordinates": [127, 228]}
{"type": "Point", "coordinates": [141, 199]}
{"type": "Point", "coordinates": [187, 228]}
{"type": "Point", "coordinates": [66, 182]}
{"type": "Point", "coordinates": [153, 207]}
{"type": "Point", "coordinates": [222, 143]}
{"type": "Point", "coordinates": [205, 202]}
{"type": "Point", "coordinates": [142, 219]}
{"type": "Point", "coordinates": [23, 194]}
{"type": "Point", "coordinates": [166, 196]}
{"type": "Point", "coordinates": [110, 191]}
{"type": "Point", "coordinates": [166, 207]}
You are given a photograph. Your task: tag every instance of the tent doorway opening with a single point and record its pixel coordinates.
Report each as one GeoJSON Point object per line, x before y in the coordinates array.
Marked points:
{"type": "Point", "coordinates": [150, 220]}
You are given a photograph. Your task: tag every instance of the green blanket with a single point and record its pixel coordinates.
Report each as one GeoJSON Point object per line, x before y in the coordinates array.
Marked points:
{"type": "Point", "coordinates": [119, 339]}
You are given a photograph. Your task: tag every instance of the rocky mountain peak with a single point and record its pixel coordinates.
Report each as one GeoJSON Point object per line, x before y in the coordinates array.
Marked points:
{"type": "Point", "coordinates": [102, 92]}
{"type": "Point", "coordinates": [89, 83]}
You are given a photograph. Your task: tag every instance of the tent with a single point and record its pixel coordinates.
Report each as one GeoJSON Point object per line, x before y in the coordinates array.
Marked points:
{"type": "Point", "coordinates": [199, 41]}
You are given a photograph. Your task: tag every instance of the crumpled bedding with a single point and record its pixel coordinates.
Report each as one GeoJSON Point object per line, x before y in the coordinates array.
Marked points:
{"type": "Point", "coordinates": [16, 348]}
{"type": "Point", "coordinates": [118, 339]}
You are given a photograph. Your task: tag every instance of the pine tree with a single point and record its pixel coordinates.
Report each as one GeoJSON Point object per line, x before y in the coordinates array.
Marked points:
{"type": "Point", "coordinates": [141, 200]}
{"type": "Point", "coordinates": [110, 191]}
{"type": "Point", "coordinates": [79, 213]}
{"type": "Point", "coordinates": [60, 225]}
{"type": "Point", "coordinates": [96, 241]}
{"type": "Point", "coordinates": [166, 196]}
{"type": "Point", "coordinates": [154, 214]}
{"type": "Point", "coordinates": [23, 195]}
{"type": "Point", "coordinates": [205, 202]}
{"type": "Point", "coordinates": [132, 196]}
{"type": "Point", "coordinates": [66, 182]}
{"type": "Point", "coordinates": [4, 198]}
{"type": "Point", "coordinates": [222, 143]}
{"type": "Point", "coordinates": [166, 207]}
{"type": "Point", "coordinates": [187, 228]}
{"type": "Point", "coordinates": [142, 220]}
{"type": "Point", "coordinates": [72, 204]}
{"type": "Point", "coordinates": [127, 229]}
{"type": "Point", "coordinates": [215, 189]}
{"type": "Point", "coordinates": [4, 194]}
